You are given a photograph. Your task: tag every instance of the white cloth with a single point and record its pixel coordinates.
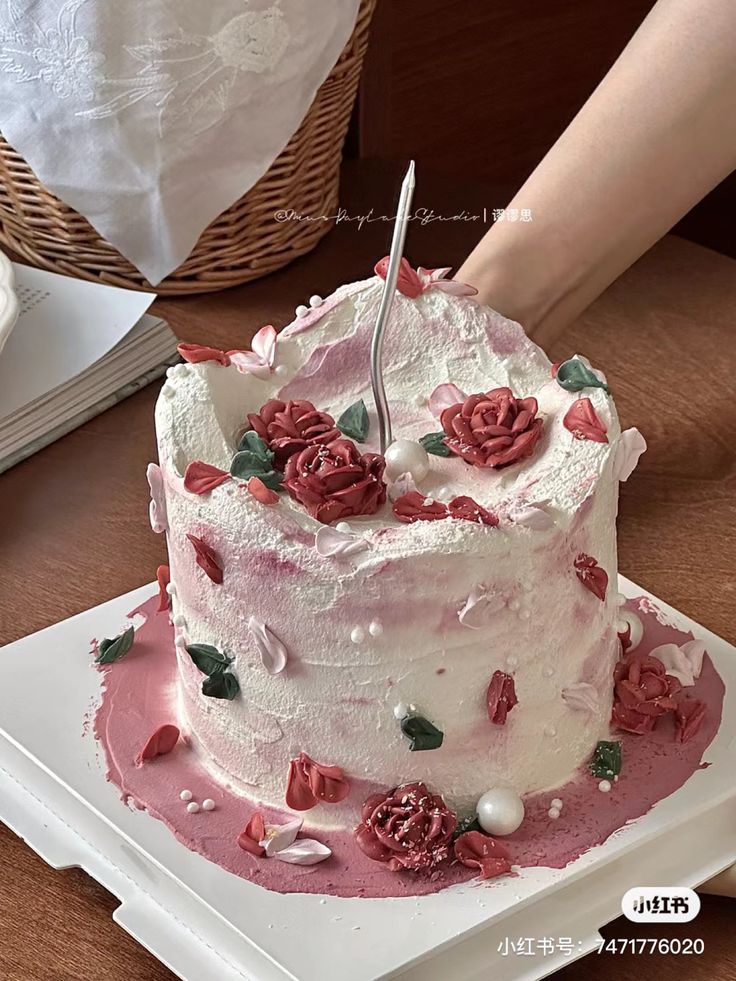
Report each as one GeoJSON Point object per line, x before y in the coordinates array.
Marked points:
{"type": "Point", "coordinates": [150, 118]}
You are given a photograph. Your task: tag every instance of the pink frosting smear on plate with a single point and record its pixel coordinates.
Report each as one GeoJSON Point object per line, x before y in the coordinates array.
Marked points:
{"type": "Point", "coordinates": [139, 696]}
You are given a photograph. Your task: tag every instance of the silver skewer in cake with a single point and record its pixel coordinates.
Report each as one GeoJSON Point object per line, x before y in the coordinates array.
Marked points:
{"type": "Point", "coordinates": [384, 311]}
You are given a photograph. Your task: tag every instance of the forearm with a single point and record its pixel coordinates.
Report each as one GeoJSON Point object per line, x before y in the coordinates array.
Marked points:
{"type": "Point", "coordinates": [653, 139]}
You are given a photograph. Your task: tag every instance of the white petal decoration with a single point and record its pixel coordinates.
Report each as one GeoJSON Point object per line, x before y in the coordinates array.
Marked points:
{"type": "Point", "coordinates": [338, 544]}
{"type": "Point", "coordinates": [443, 397]}
{"type": "Point", "coordinates": [305, 851]}
{"type": "Point", "coordinates": [629, 447]}
{"type": "Point", "coordinates": [280, 836]}
{"type": "Point", "coordinates": [157, 507]}
{"type": "Point", "coordinates": [259, 361]}
{"type": "Point", "coordinates": [636, 628]}
{"type": "Point", "coordinates": [684, 662]}
{"type": "Point", "coordinates": [437, 279]}
{"type": "Point", "coordinates": [273, 653]}
{"type": "Point", "coordinates": [403, 484]}
{"type": "Point", "coordinates": [535, 516]}
{"type": "Point", "coordinates": [581, 697]}
{"type": "Point", "coordinates": [480, 607]}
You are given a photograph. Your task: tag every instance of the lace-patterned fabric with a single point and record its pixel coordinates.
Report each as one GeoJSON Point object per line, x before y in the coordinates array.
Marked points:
{"type": "Point", "coordinates": [150, 119]}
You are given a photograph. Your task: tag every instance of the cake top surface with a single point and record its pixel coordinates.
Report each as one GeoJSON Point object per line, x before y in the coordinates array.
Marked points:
{"type": "Point", "coordinates": [433, 339]}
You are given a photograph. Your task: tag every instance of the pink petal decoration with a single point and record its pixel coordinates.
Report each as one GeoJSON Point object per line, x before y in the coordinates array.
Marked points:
{"type": "Point", "coordinates": [259, 361]}
{"type": "Point", "coordinates": [533, 516]}
{"type": "Point", "coordinates": [305, 851]}
{"type": "Point", "coordinates": [279, 836]}
{"type": "Point", "coordinates": [157, 507]}
{"type": "Point", "coordinates": [408, 282]}
{"type": "Point", "coordinates": [437, 279]}
{"type": "Point", "coordinates": [163, 740]}
{"type": "Point", "coordinates": [443, 397]}
{"type": "Point", "coordinates": [581, 697]}
{"type": "Point", "coordinates": [582, 421]}
{"type": "Point", "coordinates": [591, 575]}
{"type": "Point", "coordinates": [163, 577]}
{"type": "Point", "coordinates": [329, 542]}
{"type": "Point", "coordinates": [201, 478]}
{"type": "Point", "coordinates": [198, 353]}
{"type": "Point", "coordinates": [413, 283]}
{"type": "Point", "coordinates": [479, 607]}
{"type": "Point", "coordinates": [629, 447]}
{"type": "Point", "coordinates": [264, 495]}
{"type": "Point", "coordinates": [273, 653]}
{"type": "Point", "coordinates": [684, 662]}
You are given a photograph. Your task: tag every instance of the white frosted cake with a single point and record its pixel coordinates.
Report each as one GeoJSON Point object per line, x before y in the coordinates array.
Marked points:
{"type": "Point", "coordinates": [347, 623]}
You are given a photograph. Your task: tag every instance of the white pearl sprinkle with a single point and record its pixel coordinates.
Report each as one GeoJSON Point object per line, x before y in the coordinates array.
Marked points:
{"type": "Point", "coordinates": [168, 391]}
{"type": "Point", "coordinates": [208, 804]}
{"type": "Point", "coordinates": [400, 711]}
{"type": "Point", "coordinates": [315, 301]}
{"type": "Point", "coordinates": [192, 807]}
{"type": "Point", "coordinates": [556, 803]}
{"type": "Point", "coordinates": [604, 786]}
{"type": "Point", "coordinates": [514, 605]}
{"type": "Point", "coordinates": [186, 795]}
{"type": "Point", "coordinates": [554, 813]}
{"type": "Point", "coordinates": [179, 620]}
{"type": "Point", "coordinates": [344, 527]}
{"type": "Point", "coordinates": [180, 370]}
{"type": "Point", "coordinates": [500, 811]}
{"type": "Point", "coordinates": [171, 589]}
{"type": "Point", "coordinates": [375, 628]}
{"type": "Point", "coordinates": [357, 635]}
{"type": "Point", "coordinates": [406, 456]}
{"type": "Point", "coordinates": [280, 370]}
{"type": "Point", "coordinates": [170, 372]}
{"type": "Point", "coordinates": [323, 901]}
{"type": "Point", "coordinates": [301, 310]}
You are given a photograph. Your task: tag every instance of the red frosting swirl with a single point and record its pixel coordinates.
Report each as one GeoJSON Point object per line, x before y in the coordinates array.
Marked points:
{"type": "Point", "coordinates": [311, 782]}
{"type": "Point", "coordinates": [476, 850]}
{"type": "Point", "coordinates": [335, 482]}
{"type": "Point", "coordinates": [492, 429]}
{"type": "Point", "coordinates": [288, 427]}
{"type": "Point", "coordinates": [409, 828]}
{"type": "Point", "coordinates": [643, 692]}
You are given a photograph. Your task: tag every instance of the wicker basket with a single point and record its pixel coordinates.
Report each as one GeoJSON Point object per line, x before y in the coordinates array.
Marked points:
{"type": "Point", "coordinates": [244, 243]}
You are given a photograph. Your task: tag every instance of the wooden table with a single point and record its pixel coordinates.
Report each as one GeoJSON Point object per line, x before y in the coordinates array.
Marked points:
{"type": "Point", "coordinates": [74, 529]}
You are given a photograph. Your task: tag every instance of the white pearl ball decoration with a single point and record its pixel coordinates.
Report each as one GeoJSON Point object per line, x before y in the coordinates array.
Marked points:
{"type": "Point", "coordinates": [301, 310]}
{"type": "Point", "coordinates": [406, 456]}
{"type": "Point", "coordinates": [280, 370]}
{"type": "Point", "coordinates": [375, 628]}
{"type": "Point", "coordinates": [344, 527]}
{"type": "Point", "coordinates": [208, 804]}
{"type": "Point", "coordinates": [186, 795]}
{"type": "Point", "coordinates": [401, 710]}
{"type": "Point", "coordinates": [500, 811]}
{"type": "Point", "coordinates": [605, 786]}
{"type": "Point", "coordinates": [315, 301]}
{"type": "Point", "coordinates": [357, 635]}
{"type": "Point", "coordinates": [632, 621]}
{"type": "Point", "coordinates": [192, 807]}
{"type": "Point", "coordinates": [556, 803]}
{"type": "Point", "coordinates": [553, 813]}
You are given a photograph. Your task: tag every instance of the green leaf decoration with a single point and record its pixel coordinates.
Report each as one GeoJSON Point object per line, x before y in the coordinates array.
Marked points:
{"type": "Point", "coordinates": [574, 376]}
{"type": "Point", "coordinates": [606, 762]}
{"type": "Point", "coordinates": [434, 443]}
{"type": "Point", "coordinates": [112, 650]}
{"type": "Point", "coordinates": [421, 732]}
{"type": "Point", "coordinates": [251, 442]}
{"type": "Point", "coordinates": [222, 684]}
{"type": "Point", "coordinates": [207, 658]}
{"type": "Point", "coordinates": [354, 422]}
{"type": "Point", "coordinates": [467, 824]}
{"type": "Point", "coordinates": [245, 465]}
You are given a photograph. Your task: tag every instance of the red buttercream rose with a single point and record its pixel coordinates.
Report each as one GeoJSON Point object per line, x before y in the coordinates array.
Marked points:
{"type": "Point", "coordinates": [336, 481]}
{"type": "Point", "coordinates": [643, 692]}
{"type": "Point", "coordinates": [492, 429]}
{"type": "Point", "coordinates": [476, 850]}
{"type": "Point", "coordinates": [408, 828]}
{"type": "Point", "coordinates": [310, 782]}
{"type": "Point", "coordinates": [288, 427]}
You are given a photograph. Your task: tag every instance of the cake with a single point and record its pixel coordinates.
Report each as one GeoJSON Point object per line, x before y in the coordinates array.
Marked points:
{"type": "Point", "coordinates": [415, 656]}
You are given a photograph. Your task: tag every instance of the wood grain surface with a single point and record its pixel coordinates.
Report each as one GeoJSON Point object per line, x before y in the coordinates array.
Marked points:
{"type": "Point", "coordinates": [74, 529]}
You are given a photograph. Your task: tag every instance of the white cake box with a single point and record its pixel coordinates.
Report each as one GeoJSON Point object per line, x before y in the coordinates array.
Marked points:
{"type": "Point", "coordinates": [208, 925]}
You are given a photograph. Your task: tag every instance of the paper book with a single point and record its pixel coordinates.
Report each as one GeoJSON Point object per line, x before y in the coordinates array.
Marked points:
{"type": "Point", "coordinates": [77, 349]}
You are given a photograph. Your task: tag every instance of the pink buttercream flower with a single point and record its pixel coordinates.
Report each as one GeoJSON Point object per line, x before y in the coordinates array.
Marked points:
{"type": "Point", "coordinates": [310, 782]}
{"type": "Point", "coordinates": [408, 828]}
{"type": "Point", "coordinates": [336, 481]}
{"type": "Point", "coordinates": [492, 429]}
{"type": "Point", "coordinates": [413, 283]}
{"type": "Point", "coordinates": [643, 691]}
{"type": "Point", "coordinates": [476, 850]}
{"type": "Point", "coordinates": [288, 427]}
{"type": "Point", "coordinates": [500, 697]}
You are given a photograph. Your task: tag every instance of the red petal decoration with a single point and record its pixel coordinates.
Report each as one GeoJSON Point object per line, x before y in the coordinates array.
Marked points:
{"type": "Point", "coordinates": [408, 282]}
{"type": "Point", "coordinates": [591, 575]}
{"type": "Point", "coordinates": [201, 478]}
{"type": "Point", "coordinates": [206, 559]}
{"type": "Point", "coordinates": [164, 578]}
{"type": "Point", "coordinates": [310, 782]}
{"type": "Point", "coordinates": [161, 742]}
{"type": "Point", "coordinates": [194, 353]}
{"type": "Point", "coordinates": [582, 421]}
{"type": "Point", "coordinates": [254, 831]}
{"type": "Point", "coordinates": [554, 368]}
{"type": "Point", "coordinates": [500, 697]}
{"type": "Point", "coordinates": [263, 494]}
{"type": "Point", "coordinates": [476, 850]}
{"type": "Point", "coordinates": [414, 506]}
{"type": "Point", "coordinates": [466, 509]}
{"type": "Point", "coordinates": [689, 714]}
